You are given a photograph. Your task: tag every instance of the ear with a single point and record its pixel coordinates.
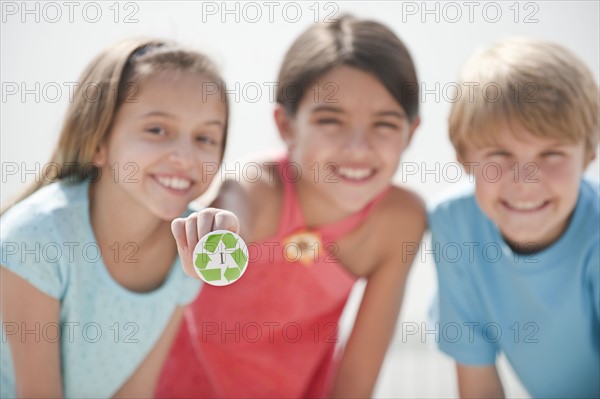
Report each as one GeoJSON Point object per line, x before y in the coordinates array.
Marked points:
{"type": "Point", "coordinates": [411, 129]}
{"type": "Point", "coordinates": [284, 124]}
{"type": "Point", "coordinates": [462, 159]}
{"type": "Point", "coordinates": [101, 155]}
{"type": "Point", "coordinates": [590, 158]}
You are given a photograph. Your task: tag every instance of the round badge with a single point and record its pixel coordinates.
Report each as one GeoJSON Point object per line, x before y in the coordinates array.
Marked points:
{"type": "Point", "coordinates": [220, 257]}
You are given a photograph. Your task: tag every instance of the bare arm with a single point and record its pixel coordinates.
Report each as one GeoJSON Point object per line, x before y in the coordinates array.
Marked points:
{"type": "Point", "coordinates": [372, 332]}
{"type": "Point", "coordinates": [378, 312]}
{"type": "Point", "coordinates": [233, 209]}
{"type": "Point", "coordinates": [143, 382]}
{"type": "Point", "coordinates": [479, 382]}
{"type": "Point", "coordinates": [35, 358]}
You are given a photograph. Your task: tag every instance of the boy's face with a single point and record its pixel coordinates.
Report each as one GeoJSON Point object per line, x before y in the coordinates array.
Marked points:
{"type": "Point", "coordinates": [528, 186]}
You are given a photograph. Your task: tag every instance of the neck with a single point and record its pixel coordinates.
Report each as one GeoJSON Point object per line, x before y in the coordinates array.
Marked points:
{"type": "Point", "coordinates": [116, 218]}
{"type": "Point", "coordinates": [531, 247]}
{"type": "Point", "coordinates": [317, 209]}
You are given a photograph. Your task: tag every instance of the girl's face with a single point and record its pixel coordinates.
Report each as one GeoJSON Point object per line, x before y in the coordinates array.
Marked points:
{"type": "Point", "coordinates": [162, 142]}
{"type": "Point", "coordinates": [347, 136]}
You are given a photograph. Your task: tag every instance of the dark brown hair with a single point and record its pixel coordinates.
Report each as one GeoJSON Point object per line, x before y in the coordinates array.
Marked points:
{"type": "Point", "coordinates": [366, 45]}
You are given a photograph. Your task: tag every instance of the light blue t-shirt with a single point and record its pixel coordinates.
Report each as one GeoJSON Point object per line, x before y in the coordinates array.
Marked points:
{"type": "Point", "coordinates": [106, 330]}
{"type": "Point", "coordinates": [541, 310]}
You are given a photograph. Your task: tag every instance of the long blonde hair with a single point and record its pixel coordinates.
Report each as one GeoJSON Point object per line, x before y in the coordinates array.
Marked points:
{"type": "Point", "coordinates": [112, 75]}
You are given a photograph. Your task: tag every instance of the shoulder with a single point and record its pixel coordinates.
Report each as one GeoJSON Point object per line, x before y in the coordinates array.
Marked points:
{"type": "Point", "coordinates": [258, 179]}
{"type": "Point", "coordinates": [403, 206]}
{"type": "Point", "coordinates": [39, 232]}
{"type": "Point", "coordinates": [400, 219]}
{"type": "Point", "coordinates": [589, 202]}
{"type": "Point", "coordinates": [456, 212]}
{"type": "Point", "coordinates": [588, 207]}
{"type": "Point", "coordinates": [39, 213]}
{"type": "Point", "coordinates": [254, 196]}
{"type": "Point", "coordinates": [584, 231]}
{"type": "Point", "coordinates": [264, 182]}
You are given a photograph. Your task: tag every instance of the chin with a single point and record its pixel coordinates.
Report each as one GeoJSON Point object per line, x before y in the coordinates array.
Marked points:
{"type": "Point", "coordinates": [352, 205]}
{"type": "Point", "coordinates": [169, 215]}
{"type": "Point", "coordinates": [524, 237]}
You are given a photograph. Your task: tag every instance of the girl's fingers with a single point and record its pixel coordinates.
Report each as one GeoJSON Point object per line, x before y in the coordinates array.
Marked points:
{"type": "Point", "coordinates": [191, 232]}
{"type": "Point", "coordinates": [178, 230]}
{"type": "Point", "coordinates": [188, 231]}
{"type": "Point", "coordinates": [206, 218]}
{"type": "Point", "coordinates": [225, 220]}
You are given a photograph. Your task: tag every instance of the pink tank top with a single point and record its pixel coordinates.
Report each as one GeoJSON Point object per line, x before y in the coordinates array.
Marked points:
{"type": "Point", "coordinates": [273, 332]}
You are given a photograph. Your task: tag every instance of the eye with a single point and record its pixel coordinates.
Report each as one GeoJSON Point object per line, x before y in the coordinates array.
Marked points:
{"type": "Point", "coordinates": [499, 153]}
{"type": "Point", "coordinates": [157, 130]}
{"type": "Point", "coordinates": [552, 155]}
{"type": "Point", "coordinates": [206, 140]}
{"type": "Point", "coordinates": [388, 125]}
{"type": "Point", "coordinates": [329, 121]}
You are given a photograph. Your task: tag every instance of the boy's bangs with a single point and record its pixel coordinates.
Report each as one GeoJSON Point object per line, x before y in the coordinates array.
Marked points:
{"type": "Point", "coordinates": [483, 122]}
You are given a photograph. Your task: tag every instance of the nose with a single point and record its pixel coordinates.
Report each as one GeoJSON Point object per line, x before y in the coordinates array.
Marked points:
{"type": "Point", "coordinates": [182, 155]}
{"type": "Point", "coordinates": [525, 176]}
{"type": "Point", "coordinates": [358, 140]}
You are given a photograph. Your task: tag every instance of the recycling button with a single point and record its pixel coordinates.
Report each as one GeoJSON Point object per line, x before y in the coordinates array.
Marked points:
{"type": "Point", "coordinates": [220, 257]}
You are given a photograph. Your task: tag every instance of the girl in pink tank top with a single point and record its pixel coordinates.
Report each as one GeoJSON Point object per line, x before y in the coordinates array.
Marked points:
{"type": "Point", "coordinates": [314, 221]}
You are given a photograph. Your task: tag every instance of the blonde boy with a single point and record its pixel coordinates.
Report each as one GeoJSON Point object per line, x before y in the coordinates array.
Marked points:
{"type": "Point", "coordinates": [529, 285]}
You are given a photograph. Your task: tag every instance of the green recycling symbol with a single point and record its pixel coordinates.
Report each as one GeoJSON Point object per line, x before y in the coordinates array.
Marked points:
{"type": "Point", "coordinates": [221, 257]}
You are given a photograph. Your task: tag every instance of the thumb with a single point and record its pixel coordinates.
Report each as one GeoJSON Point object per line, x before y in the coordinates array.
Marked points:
{"type": "Point", "coordinates": [178, 230]}
{"type": "Point", "coordinates": [225, 220]}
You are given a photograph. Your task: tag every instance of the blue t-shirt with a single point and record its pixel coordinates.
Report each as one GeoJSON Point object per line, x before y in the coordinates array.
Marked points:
{"type": "Point", "coordinates": [106, 330]}
{"type": "Point", "coordinates": [541, 310]}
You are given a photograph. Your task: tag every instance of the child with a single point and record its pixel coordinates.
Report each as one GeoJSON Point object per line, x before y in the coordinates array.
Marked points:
{"type": "Point", "coordinates": [316, 220]}
{"type": "Point", "coordinates": [92, 292]}
{"type": "Point", "coordinates": [528, 281]}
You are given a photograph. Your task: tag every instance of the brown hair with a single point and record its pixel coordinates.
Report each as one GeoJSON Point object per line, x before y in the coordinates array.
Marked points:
{"type": "Point", "coordinates": [539, 85]}
{"type": "Point", "coordinates": [363, 44]}
{"type": "Point", "coordinates": [113, 74]}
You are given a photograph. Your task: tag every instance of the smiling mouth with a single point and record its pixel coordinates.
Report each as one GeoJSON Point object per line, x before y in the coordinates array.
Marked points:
{"type": "Point", "coordinates": [177, 184]}
{"type": "Point", "coordinates": [355, 174]}
{"type": "Point", "coordinates": [525, 206]}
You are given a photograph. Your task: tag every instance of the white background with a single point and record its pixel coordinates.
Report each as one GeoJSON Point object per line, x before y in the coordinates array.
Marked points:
{"type": "Point", "coordinates": [45, 48]}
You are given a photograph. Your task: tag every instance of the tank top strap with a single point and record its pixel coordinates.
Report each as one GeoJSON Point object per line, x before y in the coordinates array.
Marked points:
{"type": "Point", "coordinates": [291, 218]}
{"type": "Point", "coordinates": [334, 231]}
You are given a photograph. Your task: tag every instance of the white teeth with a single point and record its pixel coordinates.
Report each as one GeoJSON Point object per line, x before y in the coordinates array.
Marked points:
{"type": "Point", "coordinates": [525, 205]}
{"type": "Point", "coordinates": [354, 173]}
{"type": "Point", "coordinates": [175, 183]}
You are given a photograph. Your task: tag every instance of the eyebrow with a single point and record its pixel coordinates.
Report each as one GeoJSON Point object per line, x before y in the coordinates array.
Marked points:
{"type": "Point", "coordinates": [560, 144]}
{"type": "Point", "coordinates": [158, 113]}
{"type": "Point", "coordinates": [399, 115]}
{"type": "Point", "coordinates": [214, 122]}
{"type": "Point", "coordinates": [329, 108]}
{"type": "Point", "coordinates": [504, 146]}
{"type": "Point", "coordinates": [167, 115]}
